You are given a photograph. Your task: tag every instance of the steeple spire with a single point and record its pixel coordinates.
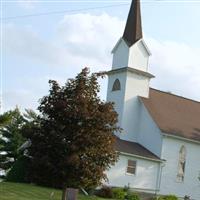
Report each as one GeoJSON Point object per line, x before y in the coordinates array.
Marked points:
{"type": "Point", "coordinates": [133, 29]}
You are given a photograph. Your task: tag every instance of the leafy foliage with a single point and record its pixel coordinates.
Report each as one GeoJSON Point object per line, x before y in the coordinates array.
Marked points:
{"type": "Point", "coordinates": [5, 118]}
{"type": "Point", "coordinates": [11, 137]}
{"type": "Point", "coordinates": [105, 192]}
{"type": "Point", "coordinates": [118, 193]}
{"type": "Point", "coordinates": [18, 172]}
{"type": "Point", "coordinates": [168, 197]}
{"type": "Point", "coordinates": [73, 144]}
{"type": "Point", "coordinates": [132, 196]}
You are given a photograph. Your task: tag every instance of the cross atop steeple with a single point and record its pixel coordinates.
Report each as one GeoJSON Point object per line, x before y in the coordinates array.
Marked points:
{"type": "Point", "coordinates": [133, 29]}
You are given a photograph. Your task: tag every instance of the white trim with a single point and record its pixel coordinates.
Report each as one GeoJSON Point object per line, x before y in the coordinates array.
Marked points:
{"type": "Point", "coordinates": [141, 40]}
{"type": "Point", "coordinates": [146, 47]}
{"type": "Point", "coordinates": [159, 177]}
{"type": "Point", "coordinates": [136, 156]}
{"type": "Point", "coordinates": [152, 191]}
{"type": "Point", "coordinates": [129, 174]}
{"type": "Point", "coordinates": [180, 138]}
{"type": "Point", "coordinates": [116, 45]}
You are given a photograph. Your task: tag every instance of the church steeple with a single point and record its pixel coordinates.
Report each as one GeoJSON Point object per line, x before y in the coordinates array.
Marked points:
{"type": "Point", "coordinates": [133, 29]}
{"type": "Point", "coordinates": [131, 50]}
{"type": "Point", "coordinates": [129, 77]}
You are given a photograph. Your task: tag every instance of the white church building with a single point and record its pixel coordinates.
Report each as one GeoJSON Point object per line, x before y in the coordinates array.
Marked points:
{"type": "Point", "coordinates": [159, 146]}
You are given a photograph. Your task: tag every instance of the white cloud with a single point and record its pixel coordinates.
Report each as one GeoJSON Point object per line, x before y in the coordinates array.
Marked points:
{"type": "Point", "coordinates": [90, 36]}
{"type": "Point", "coordinates": [176, 66]}
{"type": "Point", "coordinates": [80, 40]}
{"type": "Point", "coordinates": [87, 40]}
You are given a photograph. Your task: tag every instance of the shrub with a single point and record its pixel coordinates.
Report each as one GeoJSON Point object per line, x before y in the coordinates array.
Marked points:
{"type": "Point", "coordinates": [118, 193]}
{"type": "Point", "coordinates": [105, 192]}
{"type": "Point", "coordinates": [154, 198]}
{"type": "Point", "coordinates": [132, 196]}
{"type": "Point", "coordinates": [126, 188]}
{"type": "Point", "coordinates": [168, 197]}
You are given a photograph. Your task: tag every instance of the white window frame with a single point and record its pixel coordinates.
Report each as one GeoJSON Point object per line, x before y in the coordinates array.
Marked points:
{"type": "Point", "coordinates": [128, 166]}
{"type": "Point", "coordinates": [184, 150]}
{"type": "Point", "coordinates": [114, 87]}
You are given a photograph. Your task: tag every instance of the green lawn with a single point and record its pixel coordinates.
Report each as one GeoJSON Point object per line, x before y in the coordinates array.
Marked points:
{"type": "Point", "coordinates": [19, 191]}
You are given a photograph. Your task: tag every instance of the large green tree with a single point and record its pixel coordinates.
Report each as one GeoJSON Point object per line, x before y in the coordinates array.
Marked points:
{"type": "Point", "coordinates": [73, 145]}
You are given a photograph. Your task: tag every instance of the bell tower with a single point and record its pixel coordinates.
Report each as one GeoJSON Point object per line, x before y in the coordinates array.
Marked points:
{"type": "Point", "coordinates": [129, 77]}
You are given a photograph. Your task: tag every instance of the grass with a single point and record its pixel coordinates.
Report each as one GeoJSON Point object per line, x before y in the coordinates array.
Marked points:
{"type": "Point", "coordinates": [19, 191]}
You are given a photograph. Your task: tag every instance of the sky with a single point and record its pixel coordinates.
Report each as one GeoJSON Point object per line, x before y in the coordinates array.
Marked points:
{"type": "Point", "coordinates": [76, 34]}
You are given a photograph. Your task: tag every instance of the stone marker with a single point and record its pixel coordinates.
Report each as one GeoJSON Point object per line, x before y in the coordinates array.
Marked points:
{"type": "Point", "coordinates": [72, 194]}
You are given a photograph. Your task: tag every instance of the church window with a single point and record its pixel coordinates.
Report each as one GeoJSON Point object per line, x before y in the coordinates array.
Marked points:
{"type": "Point", "coordinates": [181, 164]}
{"type": "Point", "coordinates": [116, 85]}
{"type": "Point", "coordinates": [131, 168]}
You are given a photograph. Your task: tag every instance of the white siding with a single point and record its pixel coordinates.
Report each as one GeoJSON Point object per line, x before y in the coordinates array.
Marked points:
{"type": "Point", "coordinates": [117, 96]}
{"type": "Point", "coordinates": [138, 57]}
{"type": "Point", "coordinates": [133, 85]}
{"type": "Point", "coordinates": [191, 184]}
{"type": "Point", "coordinates": [144, 179]}
{"type": "Point", "coordinates": [120, 55]}
{"type": "Point", "coordinates": [136, 85]}
{"type": "Point", "coordinates": [150, 135]}
{"type": "Point", "coordinates": [126, 101]}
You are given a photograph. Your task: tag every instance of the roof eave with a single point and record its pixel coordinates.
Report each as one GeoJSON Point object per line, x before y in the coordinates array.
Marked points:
{"type": "Point", "coordinates": [142, 157]}
{"type": "Point", "coordinates": [165, 134]}
{"type": "Point", "coordinates": [146, 47]}
{"type": "Point", "coordinates": [117, 44]}
{"type": "Point", "coordinates": [133, 70]}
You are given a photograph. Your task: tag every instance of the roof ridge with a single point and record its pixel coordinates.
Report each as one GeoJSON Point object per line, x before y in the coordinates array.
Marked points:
{"type": "Point", "coordinates": [176, 95]}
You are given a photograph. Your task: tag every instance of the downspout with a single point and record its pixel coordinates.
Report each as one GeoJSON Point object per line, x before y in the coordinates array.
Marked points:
{"type": "Point", "coordinates": [159, 175]}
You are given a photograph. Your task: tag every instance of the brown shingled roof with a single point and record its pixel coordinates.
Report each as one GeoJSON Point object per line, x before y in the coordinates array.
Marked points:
{"type": "Point", "coordinates": [134, 148]}
{"type": "Point", "coordinates": [173, 114]}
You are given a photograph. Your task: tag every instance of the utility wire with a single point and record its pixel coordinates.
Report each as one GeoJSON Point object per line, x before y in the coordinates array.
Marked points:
{"type": "Point", "coordinates": [93, 8]}
{"type": "Point", "coordinates": [63, 11]}
{"type": "Point", "coordinates": [97, 1]}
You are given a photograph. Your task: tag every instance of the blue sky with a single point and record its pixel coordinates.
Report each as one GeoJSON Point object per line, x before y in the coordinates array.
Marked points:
{"type": "Point", "coordinates": [36, 49]}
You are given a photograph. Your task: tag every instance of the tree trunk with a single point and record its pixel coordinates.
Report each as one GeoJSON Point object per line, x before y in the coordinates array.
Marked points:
{"type": "Point", "coordinates": [69, 194]}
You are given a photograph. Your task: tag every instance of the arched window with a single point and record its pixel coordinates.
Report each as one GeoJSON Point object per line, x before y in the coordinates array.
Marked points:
{"type": "Point", "coordinates": [116, 85]}
{"type": "Point", "coordinates": [181, 164]}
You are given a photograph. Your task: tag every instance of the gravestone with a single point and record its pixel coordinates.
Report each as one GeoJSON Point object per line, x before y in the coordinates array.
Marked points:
{"type": "Point", "coordinates": [72, 194]}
